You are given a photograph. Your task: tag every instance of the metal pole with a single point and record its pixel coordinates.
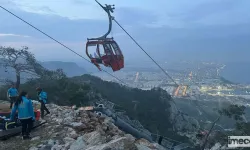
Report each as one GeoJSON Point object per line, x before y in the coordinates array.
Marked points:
{"type": "Point", "coordinates": [108, 9]}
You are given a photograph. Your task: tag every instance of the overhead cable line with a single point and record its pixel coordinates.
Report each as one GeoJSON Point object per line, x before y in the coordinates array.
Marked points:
{"type": "Point", "coordinates": [58, 42]}
{"type": "Point", "coordinates": [145, 52]}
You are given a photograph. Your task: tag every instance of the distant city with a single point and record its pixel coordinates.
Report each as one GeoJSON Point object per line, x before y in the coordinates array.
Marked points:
{"type": "Point", "coordinates": [195, 80]}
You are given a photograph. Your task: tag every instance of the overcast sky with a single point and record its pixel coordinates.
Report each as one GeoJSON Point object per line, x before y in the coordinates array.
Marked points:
{"type": "Point", "coordinates": [167, 29]}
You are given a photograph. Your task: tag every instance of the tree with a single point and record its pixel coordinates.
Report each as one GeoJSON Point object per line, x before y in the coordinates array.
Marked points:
{"type": "Point", "coordinates": [235, 112]}
{"type": "Point", "coordinates": [54, 75]}
{"type": "Point", "coordinates": [22, 61]}
{"type": "Point", "coordinates": [232, 111]}
{"type": "Point", "coordinates": [209, 132]}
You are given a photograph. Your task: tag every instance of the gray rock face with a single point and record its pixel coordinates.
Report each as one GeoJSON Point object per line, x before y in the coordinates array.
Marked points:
{"type": "Point", "coordinates": [71, 129]}
{"type": "Point", "coordinates": [81, 130]}
{"type": "Point", "coordinates": [182, 122]}
{"type": "Point", "coordinates": [68, 140]}
{"type": "Point", "coordinates": [35, 138]}
{"type": "Point", "coordinates": [79, 144]}
{"type": "Point", "coordinates": [118, 144]}
{"type": "Point", "coordinates": [94, 138]}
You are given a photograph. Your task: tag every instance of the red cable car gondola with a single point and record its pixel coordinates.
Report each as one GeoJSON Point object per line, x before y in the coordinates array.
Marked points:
{"type": "Point", "coordinates": [112, 56]}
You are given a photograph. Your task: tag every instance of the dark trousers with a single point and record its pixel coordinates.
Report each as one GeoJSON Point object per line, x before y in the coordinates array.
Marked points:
{"type": "Point", "coordinates": [12, 101]}
{"type": "Point", "coordinates": [26, 126]}
{"type": "Point", "coordinates": [43, 107]}
{"type": "Point", "coordinates": [160, 140]}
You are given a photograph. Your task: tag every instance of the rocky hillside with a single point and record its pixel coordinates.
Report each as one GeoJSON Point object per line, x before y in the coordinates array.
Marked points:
{"type": "Point", "coordinates": [70, 129]}
{"type": "Point", "coordinates": [153, 110]}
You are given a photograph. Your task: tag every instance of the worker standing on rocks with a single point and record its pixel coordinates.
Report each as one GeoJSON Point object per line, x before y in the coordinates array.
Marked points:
{"type": "Point", "coordinates": [42, 97]}
{"type": "Point", "coordinates": [12, 94]}
{"type": "Point", "coordinates": [26, 113]}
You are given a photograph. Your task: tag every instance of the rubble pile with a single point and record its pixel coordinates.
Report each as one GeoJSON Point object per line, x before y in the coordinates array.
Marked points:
{"type": "Point", "coordinates": [70, 129]}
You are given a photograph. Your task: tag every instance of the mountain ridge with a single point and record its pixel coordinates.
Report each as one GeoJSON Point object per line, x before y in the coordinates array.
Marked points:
{"type": "Point", "coordinates": [70, 68]}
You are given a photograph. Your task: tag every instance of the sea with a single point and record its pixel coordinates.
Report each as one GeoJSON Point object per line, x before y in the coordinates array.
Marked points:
{"type": "Point", "coordinates": [237, 72]}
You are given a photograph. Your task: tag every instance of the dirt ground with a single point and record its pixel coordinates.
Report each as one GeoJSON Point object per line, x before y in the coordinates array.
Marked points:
{"type": "Point", "coordinates": [16, 143]}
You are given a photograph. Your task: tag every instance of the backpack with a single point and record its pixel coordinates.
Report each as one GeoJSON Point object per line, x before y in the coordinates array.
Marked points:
{"type": "Point", "coordinates": [7, 124]}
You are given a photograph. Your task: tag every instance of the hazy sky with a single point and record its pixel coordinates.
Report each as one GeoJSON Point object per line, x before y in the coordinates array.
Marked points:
{"type": "Point", "coordinates": [167, 29]}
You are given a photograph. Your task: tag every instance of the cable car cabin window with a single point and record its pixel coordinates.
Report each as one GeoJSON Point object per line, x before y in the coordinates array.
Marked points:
{"type": "Point", "coordinates": [112, 48]}
{"type": "Point", "coordinates": [105, 55]}
{"type": "Point", "coordinates": [107, 49]}
{"type": "Point", "coordinates": [92, 50]}
{"type": "Point", "coordinates": [116, 48]}
{"type": "Point", "coordinates": [116, 59]}
{"type": "Point", "coordinates": [101, 50]}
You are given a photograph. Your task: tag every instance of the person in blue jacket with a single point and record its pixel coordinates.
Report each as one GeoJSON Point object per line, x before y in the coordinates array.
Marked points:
{"type": "Point", "coordinates": [12, 94]}
{"type": "Point", "coordinates": [42, 98]}
{"type": "Point", "coordinates": [26, 113]}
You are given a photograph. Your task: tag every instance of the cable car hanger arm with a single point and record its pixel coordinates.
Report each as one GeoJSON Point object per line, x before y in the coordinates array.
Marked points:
{"type": "Point", "coordinates": [108, 9]}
